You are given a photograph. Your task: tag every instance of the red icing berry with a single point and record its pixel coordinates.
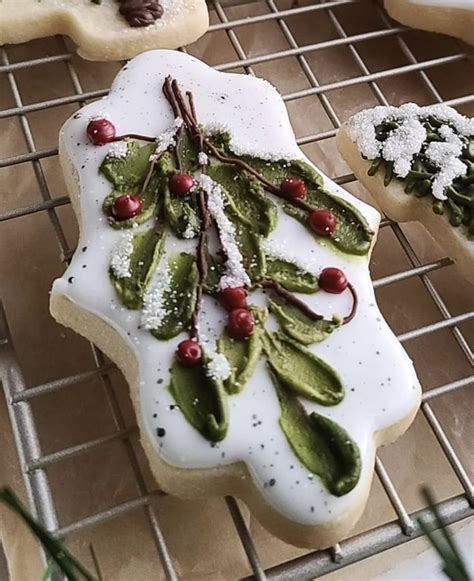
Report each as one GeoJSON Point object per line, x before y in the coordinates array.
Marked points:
{"type": "Point", "coordinates": [233, 298]}
{"type": "Point", "coordinates": [333, 280]}
{"type": "Point", "coordinates": [126, 206]}
{"type": "Point", "coordinates": [323, 222]}
{"type": "Point", "coordinates": [181, 184]}
{"type": "Point", "coordinates": [100, 131]}
{"type": "Point", "coordinates": [293, 188]}
{"type": "Point", "coordinates": [189, 353]}
{"type": "Point", "coordinates": [240, 324]}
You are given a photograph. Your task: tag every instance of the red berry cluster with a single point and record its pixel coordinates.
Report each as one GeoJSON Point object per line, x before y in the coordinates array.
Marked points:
{"type": "Point", "coordinates": [241, 323]}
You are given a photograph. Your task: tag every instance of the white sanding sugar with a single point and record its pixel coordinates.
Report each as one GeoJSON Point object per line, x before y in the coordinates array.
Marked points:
{"type": "Point", "coordinates": [203, 159]}
{"type": "Point", "coordinates": [166, 139]}
{"type": "Point", "coordinates": [402, 144]}
{"type": "Point", "coordinates": [446, 155]}
{"type": "Point", "coordinates": [235, 275]}
{"type": "Point", "coordinates": [121, 255]}
{"type": "Point", "coordinates": [118, 149]}
{"type": "Point", "coordinates": [153, 310]}
{"type": "Point", "coordinates": [248, 148]}
{"type": "Point", "coordinates": [408, 139]}
{"type": "Point", "coordinates": [279, 250]}
{"type": "Point", "coordinates": [218, 367]}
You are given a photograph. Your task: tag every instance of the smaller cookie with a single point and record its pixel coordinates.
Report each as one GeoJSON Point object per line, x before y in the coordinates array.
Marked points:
{"type": "Point", "coordinates": [453, 17]}
{"type": "Point", "coordinates": [418, 163]}
{"type": "Point", "coordinates": [106, 30]}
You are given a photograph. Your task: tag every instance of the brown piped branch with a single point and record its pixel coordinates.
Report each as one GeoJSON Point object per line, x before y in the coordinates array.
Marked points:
{"type": "Point", "coordinates": [291, 299]}
{"type": "Point", "coordinates": [187, 112]}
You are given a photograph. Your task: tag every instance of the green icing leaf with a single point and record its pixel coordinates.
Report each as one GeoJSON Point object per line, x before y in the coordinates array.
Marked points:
{"type": "Point", "coordinates": [324, 447]}
{"type": "Point", "coordinates": [181, 214]}
{"type": "Point", "coordinates": [202, 399]}
{"type": "Point", "coordinates": [188, 152]}
{"type": "Point", "coordinates": [215, 272]}
{"type": "Point", "coordinates": [246, 197]}
{"type": "Point", "coordinates": [299, 326]}
{"type": "Point", "coordinates": [147, 249]}
{"type": "Point", "coordinates": [352, 234]}
{"type": "Point", "coordinates": [301, 371]}
{"type": "Point", "coordinates": [291, 276]}
{"type": "Point", "coordinates": [128, 171]}
{"type": "Point", "coordinates": [180, 297]}
{"type": "Point", "coordinates": [127, 174]}
{"type": "Point", "coordinates": [242, 357]}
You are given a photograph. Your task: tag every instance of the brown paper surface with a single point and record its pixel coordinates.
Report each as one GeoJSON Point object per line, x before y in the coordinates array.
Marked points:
{"type": "Point", "coordinates": [201, 537]}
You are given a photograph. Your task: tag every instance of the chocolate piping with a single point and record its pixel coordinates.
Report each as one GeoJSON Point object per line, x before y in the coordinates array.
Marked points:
{"type": "Point", "coordinates": [188, 114]}
{"type": "Point", "coordinates": [139, 13]}
{"type": "Point", "coordinates": [291, 299]}
{"type": "Point", "coordinates": [134, 136]}
{"type": "Point", "coordinates": [355, 302]}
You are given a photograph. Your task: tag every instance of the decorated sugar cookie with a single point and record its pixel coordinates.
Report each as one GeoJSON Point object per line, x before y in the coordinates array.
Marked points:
{"type": "Point", "coordinates": [452, 17]}
{"type": "Point", "coordinates": [106, 29]}
{"type": "Point", "coordinates": [228, 279]}
{"type": "Point", "coordinates": [418, 163]}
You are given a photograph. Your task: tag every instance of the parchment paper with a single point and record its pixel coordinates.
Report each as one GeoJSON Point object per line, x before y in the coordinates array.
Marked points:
{"type": "Point", "coordinates": [200, 535]}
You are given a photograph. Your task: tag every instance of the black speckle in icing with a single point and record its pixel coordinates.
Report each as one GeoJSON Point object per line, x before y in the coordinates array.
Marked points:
{"type": "Point", "coordinates": [222, 454]}
{"type": "Point", "coordinates": [312, 509]}
{"type": "Point", "coordinates": [352, 388]}
{"type": "Point", "coordinates": [155, 415]}
{"type": "Point", "coordinates": [70, 279]}
{"type": "Point", "coordinates": [291, 467]}
{"type": "Point", "coordinates": [77, 116]}
{"type": "Point", "coordinates": [84, 266]}
{"type": "Point", "coordinates": [84, 248]}
{"type": "Point", "coordinates": [271, 482]}
{"type": "Point", "coordinates": [377, 353]}
{"type": "Point", "coordinates": [213, 445]}
{"type": "Point", "coordinates": [159, 381]}
{"type": "Point", "coordinates": [262, 446]}
{"type": "Point", "coordinates": [160, 432]}
{"type": "Point", "coordinates": [297, 482]}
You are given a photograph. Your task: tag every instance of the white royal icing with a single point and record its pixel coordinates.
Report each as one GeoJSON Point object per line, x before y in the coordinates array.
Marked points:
{"type": "Point", "coordinates": [380, 382]}
{"type": "Point", "coordinates": [407, 140]}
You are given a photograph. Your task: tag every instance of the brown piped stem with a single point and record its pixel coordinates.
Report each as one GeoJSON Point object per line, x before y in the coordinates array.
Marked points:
{"type": "Point", "coordinates": [134, 136]}
{"type": "Point", "coordinates": [355, 303]}
{"type": "Point", "coordinates": [291, 299]}
{"type": "Point", "coordinates": [187, 112]}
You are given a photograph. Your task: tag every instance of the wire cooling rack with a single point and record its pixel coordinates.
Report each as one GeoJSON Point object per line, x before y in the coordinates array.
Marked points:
{"type": "Point", "coordinates": [35, 463]}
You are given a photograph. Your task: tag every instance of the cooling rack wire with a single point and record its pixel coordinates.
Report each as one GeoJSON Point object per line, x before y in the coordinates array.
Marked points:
{"type": "Point", "coordinates": [21, 398]}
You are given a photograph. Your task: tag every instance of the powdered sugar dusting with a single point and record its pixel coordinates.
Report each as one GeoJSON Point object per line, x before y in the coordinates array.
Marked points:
{"type": "Point", "coordinates": [409, 138]}
{"type": "Point", "coordinates": [235, 274]}
{"type": "Point", "coordinates": [154, 310]}
{"type": "Point", "coordinates": [121, 256]}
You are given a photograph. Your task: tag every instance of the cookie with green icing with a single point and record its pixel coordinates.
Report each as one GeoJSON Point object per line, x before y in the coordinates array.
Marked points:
{"type": "Point", "coordinates": [228, 279]}
{"type": "Point", "coordinates": [418, 162]}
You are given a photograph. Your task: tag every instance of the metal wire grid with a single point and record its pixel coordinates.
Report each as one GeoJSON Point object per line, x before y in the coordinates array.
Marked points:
{"type": "Point", "coordinates": [34, 463]}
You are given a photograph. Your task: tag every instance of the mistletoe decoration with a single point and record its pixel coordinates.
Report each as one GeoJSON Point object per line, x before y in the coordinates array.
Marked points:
{"type": "Point", "coordinates": [188, 183]}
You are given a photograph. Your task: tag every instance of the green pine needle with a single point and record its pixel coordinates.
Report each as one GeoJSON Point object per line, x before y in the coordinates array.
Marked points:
{"type": "Point", "coordinates": [442, 541]}
{"type": "Point", "coordinates": [59, 555]}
